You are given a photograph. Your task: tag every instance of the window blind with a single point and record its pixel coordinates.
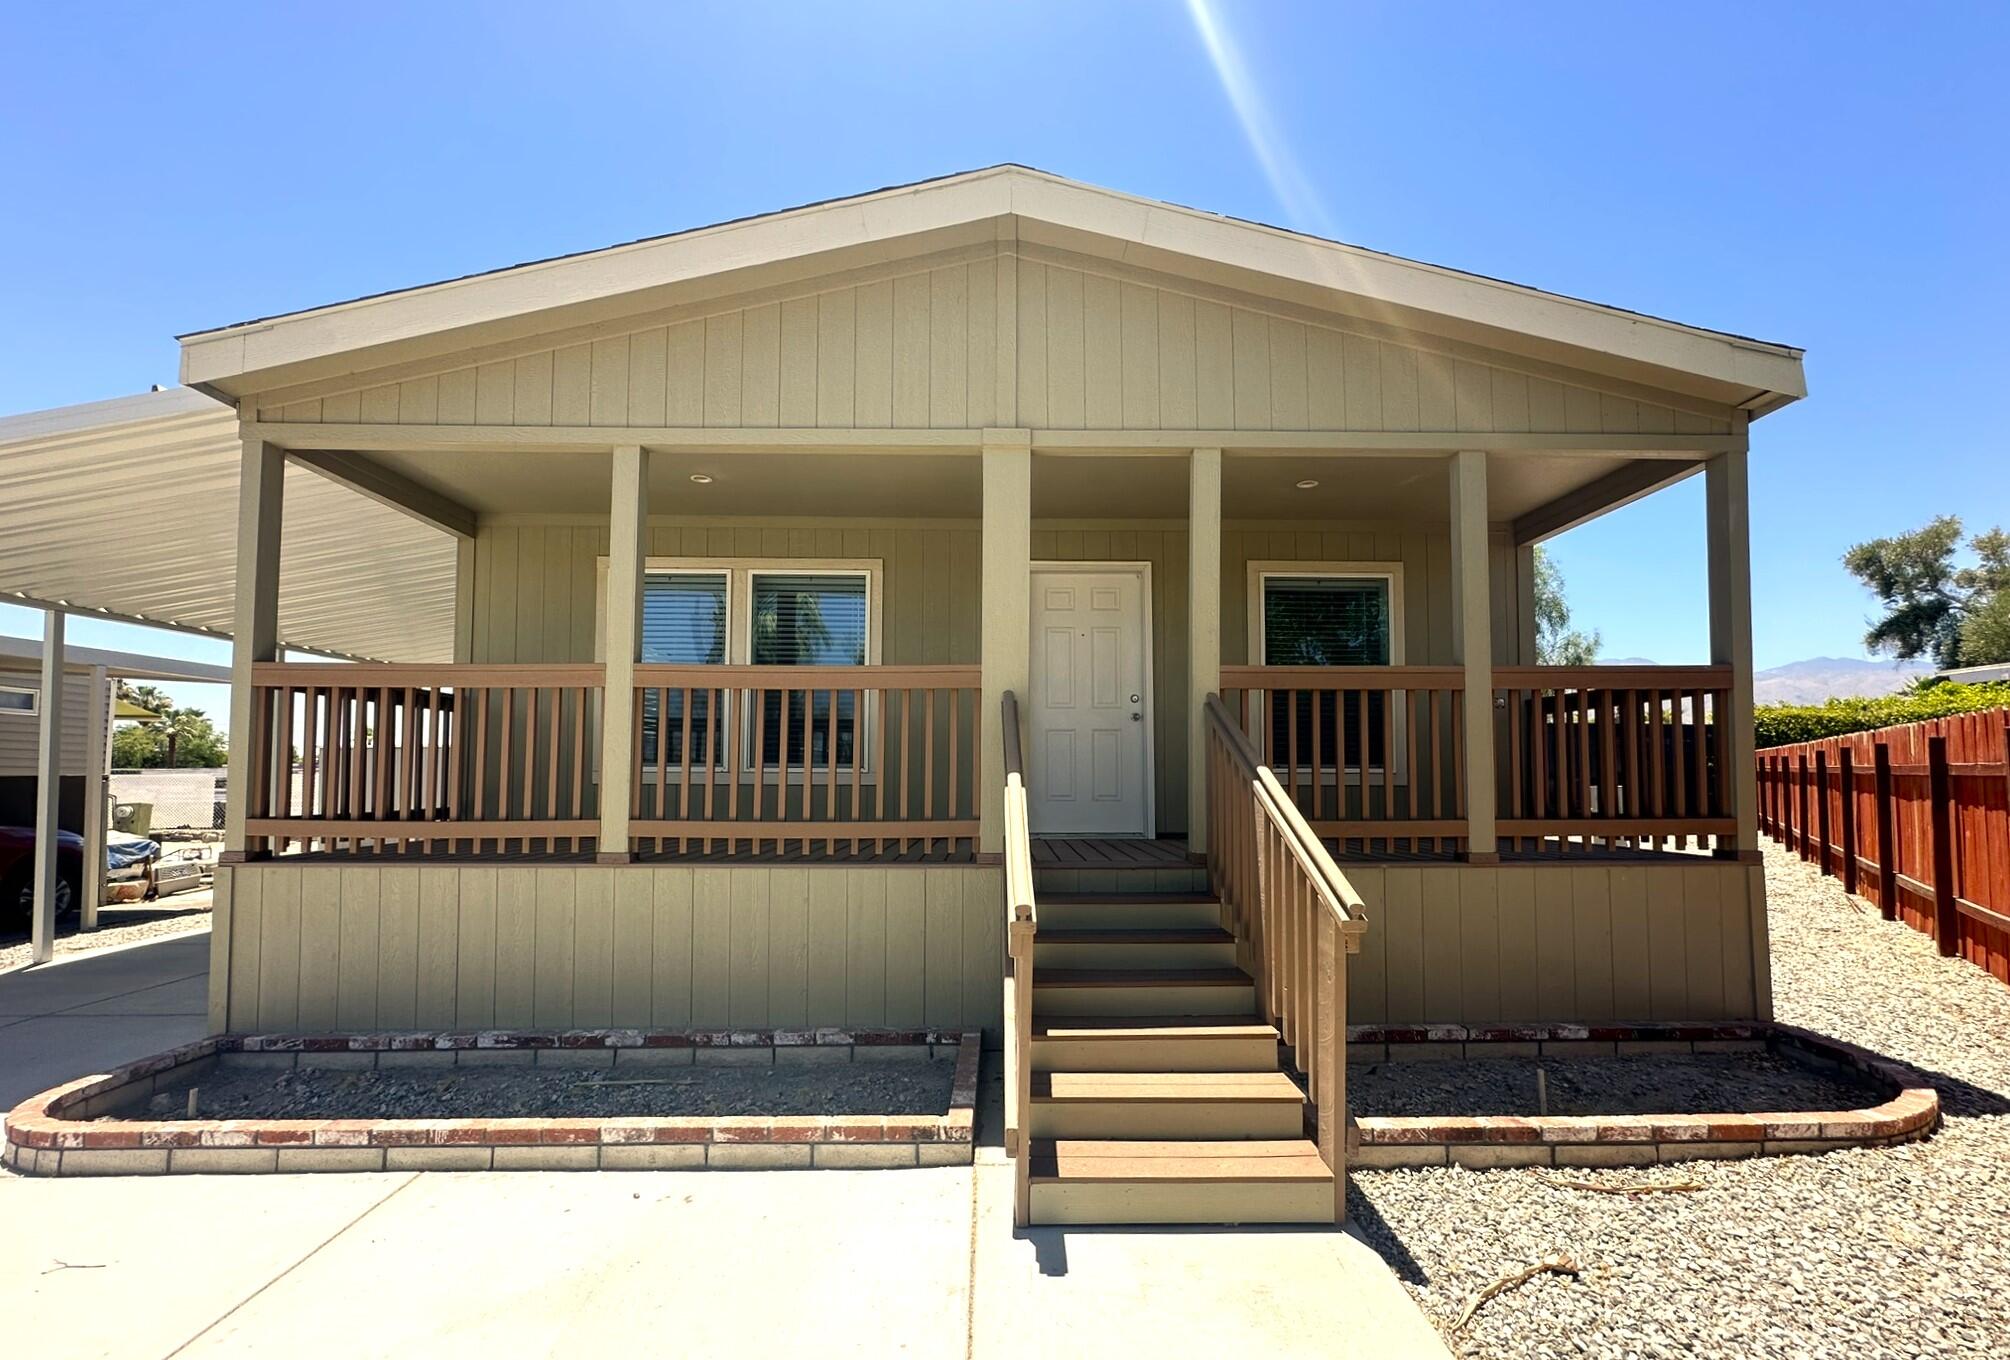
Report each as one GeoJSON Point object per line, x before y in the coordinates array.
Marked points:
{"type": "Point", "coordinates": [809, 620]}
{"type": "Point", "coordinates": [1327, 621]}
{"type": "Point", "coordinates": [683, 623]}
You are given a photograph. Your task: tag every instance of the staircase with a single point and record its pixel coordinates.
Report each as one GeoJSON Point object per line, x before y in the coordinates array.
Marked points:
{"type": "Point", "coordinates": [1156, 1091]}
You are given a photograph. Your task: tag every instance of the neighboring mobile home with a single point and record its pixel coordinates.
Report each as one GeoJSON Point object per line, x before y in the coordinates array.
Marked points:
{"type": "Point", "coordinates": [760, 524]}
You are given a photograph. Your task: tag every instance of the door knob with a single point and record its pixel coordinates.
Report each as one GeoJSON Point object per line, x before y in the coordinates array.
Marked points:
{"type": "Point", "coordinates": [1137, 716]}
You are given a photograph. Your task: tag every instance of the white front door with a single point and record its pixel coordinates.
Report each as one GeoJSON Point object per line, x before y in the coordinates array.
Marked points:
{"type": "Point", "coordinates": [1089, 758]}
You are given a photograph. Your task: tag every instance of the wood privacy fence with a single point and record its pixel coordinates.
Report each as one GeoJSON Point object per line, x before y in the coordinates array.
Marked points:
{"type": "Point", "coordinates": [1915, 818]}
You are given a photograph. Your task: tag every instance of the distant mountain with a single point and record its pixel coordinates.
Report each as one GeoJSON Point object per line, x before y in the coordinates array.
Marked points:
{"type": "Point", "coordinates": [1818, 678]}
{"type": "Point", "coordinates": [1834, 677]}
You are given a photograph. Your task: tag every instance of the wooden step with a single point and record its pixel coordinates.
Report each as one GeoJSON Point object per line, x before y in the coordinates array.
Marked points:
{"type": "Point", "coordinates": [1080, 1181]}
{"type": "Point", "coordinates": [1143, 991]}
{"type": "Point", "coordinates": [1152, 1043]}
{"type": "Point", "coordinates": [1111, 911]}
{"type": "Point", "coordinates": [1166, 1105]}
{"type": "Point", "coordinates": [1156, 948]}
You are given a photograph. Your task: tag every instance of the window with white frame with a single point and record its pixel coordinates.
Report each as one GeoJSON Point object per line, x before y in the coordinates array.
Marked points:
{"type": "Point", "coordinates": [14, 699]}
{"type": "Point", "coordinates": [768, 612]}
{"type": "Point", "coordinates": [1328, 618]}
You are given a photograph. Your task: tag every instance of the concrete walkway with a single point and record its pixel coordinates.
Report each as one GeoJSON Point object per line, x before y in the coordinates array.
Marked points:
{"type": "Point", "coordinates": [830, 1263]}
{"type": "Point", "coordinates": [80, 1015]}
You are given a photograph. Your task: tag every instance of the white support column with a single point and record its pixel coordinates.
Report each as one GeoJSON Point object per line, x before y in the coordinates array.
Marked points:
{"type": "Point", "coordinates": [97, 765]}
{"type": "Point", "coordinates": [1203, 595]}
{"type": "Point", "coordinates": [627, 554]}
{"type": "Point", "coordinates": [1727, 503]}
{"type": "Point", "coordinates": [48, 790]}
{"type": "Point", "coordinates": [261, 499]}
{"type": "Point", "coordinates": [464, 601]}
{"type": "Point", "coordinates": [1005, 636]}
{"type": "Point", "coordinates": [1472, 643]}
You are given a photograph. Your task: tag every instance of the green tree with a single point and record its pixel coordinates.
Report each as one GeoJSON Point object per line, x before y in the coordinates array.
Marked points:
{"type": "Point", "coordinates": [1556, 642]}
{"type": "Point", "coordinates": [183, 738]}
{"type": "Point", "coordinates": [1929, 602]}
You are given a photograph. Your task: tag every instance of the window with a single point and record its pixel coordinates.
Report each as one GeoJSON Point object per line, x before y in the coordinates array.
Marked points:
{"type": "Point", "coordinates": [1311, 618]}
{"type": "Point", "coordinates": [809, 620]}
{"type": "Point", "coordinates": [768, 612]}
{"type": "Point", "coordinates": [683, 623]}
{"type": "Point", "coordinates": [16, 700]}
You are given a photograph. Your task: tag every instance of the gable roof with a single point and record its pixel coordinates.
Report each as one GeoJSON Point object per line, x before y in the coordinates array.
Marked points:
{"type": "Point", "coordinates": [1008, 203]}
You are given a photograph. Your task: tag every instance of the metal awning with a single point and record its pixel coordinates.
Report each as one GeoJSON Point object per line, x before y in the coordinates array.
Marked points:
{"type": "Point", "coordinates": [128, 509]}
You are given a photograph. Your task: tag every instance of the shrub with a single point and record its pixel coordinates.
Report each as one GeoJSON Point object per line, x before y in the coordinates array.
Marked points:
{"type": "Point", "coordinates": [1784, 724]}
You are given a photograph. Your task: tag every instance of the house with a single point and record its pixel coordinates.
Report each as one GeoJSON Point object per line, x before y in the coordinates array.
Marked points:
{"type": "Point", "coordinates": [846, 595]}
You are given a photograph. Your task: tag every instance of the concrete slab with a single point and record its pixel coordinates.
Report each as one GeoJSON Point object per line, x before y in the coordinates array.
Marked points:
{"type": "Point", "coordinates": [87, 1014]}
{"type": "Point", "coordinates": [1171, 1293]}
{"type": "Point", "coordinates": [825, 1263]}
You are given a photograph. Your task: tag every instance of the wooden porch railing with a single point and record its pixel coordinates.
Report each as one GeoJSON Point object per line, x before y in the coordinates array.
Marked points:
{"type": "Point", "coordinates": [1312, 726]}
{"type": "Point", "coordinates": [404, 758]}
{"type": "Point", "coordinates": [1295, 918]}
{"type": "Point", "coordinates": [1615, 756]}
{"type": "Point", "coordinates": [1022, 925]}
{"type": "Point", "coordinates": [837, 760]}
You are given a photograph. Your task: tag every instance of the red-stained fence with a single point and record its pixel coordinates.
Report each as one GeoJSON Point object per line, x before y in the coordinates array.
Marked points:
{"type": "Point", "coordinates": [1915, 818]}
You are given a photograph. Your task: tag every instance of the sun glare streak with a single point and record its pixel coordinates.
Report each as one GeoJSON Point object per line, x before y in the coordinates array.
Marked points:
{"type": "Point", "coordinates": [1296, 192]}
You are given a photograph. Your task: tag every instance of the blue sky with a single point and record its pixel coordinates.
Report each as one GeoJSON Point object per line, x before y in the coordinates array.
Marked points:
{"type": "Point", "coordinates": [1829, 175]}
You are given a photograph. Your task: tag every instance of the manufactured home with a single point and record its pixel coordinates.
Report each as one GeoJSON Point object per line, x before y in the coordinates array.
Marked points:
{"type": "Point", "coordinates": [996, 601]}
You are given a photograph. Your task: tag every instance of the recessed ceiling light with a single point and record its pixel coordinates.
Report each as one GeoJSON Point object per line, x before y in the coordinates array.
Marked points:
{"type": "Point", "coordinates": [702, 478]}
{"type": "Point", "coordinates": [1308, 484]}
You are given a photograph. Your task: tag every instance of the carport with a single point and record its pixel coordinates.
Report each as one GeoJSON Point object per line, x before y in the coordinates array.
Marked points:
{"type": "Point", "coordinates": [128, 510]}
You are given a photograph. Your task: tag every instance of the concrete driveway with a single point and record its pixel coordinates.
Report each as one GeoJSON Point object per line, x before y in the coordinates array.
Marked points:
{"type": "Point", "coordinates": [85, 1014]}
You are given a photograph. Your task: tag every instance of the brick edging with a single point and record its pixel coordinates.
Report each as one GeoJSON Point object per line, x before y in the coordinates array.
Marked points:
{"type": "Point", "coordinates": [62, 1131]}
{"type": "Point", "coordinates": [1911, 1112]}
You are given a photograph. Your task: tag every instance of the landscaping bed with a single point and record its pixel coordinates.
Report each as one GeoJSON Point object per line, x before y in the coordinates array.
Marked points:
{"type": "Point", "coordinates": [606, 1099]}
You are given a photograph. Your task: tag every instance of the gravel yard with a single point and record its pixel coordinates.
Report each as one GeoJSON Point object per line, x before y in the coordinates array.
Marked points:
{"type": "Point", "coordinates": [1719, 1083]}
{"type": "Point", "coordinates": [910, 1086]}
{"type": "Point", "coordinates": [1894, 1252]}
{"type": "Point", "coordinates": [177, 915]}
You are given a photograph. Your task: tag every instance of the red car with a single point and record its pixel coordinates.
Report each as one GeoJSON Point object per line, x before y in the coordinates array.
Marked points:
{"type": "Point", "coordinates": [17, 873]}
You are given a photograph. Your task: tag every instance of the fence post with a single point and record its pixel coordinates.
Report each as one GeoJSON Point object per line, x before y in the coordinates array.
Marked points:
{"type": "Point", "coordinates": [1847, 778]}
{"type": "Point", "coordinates": [1940, 812]}
{"type": "Point", "coordinates": [1887, 840]}
{"type": "Point", "coordinates": [1822, 812]}
{"type": "Point", "coordinates": [1801, 807]}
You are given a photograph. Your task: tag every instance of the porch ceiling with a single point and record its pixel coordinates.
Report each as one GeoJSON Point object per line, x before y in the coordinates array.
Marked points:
{"type": "Point", "coordinates": [128, 508]}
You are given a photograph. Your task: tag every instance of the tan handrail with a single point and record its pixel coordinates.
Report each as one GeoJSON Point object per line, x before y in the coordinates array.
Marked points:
{"type": "Point", "coordinates": [1295, 917]}
{"type": "Point", "coordinates": [1022, 923]}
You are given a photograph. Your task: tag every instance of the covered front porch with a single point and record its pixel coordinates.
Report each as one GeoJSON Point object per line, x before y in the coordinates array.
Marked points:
{"type": "Point", "coordinates": [822, 687]}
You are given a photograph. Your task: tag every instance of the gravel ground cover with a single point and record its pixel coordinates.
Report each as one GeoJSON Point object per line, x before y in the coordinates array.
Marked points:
{"type": "Point", "coordinates": [1722, 1083]}
{"type": "Point", "coordinates": [177, 915]}
{"type": "Point", "coordinates": [914, 1086]}
{"type": "Point", "coordinates": [1892, 1252]}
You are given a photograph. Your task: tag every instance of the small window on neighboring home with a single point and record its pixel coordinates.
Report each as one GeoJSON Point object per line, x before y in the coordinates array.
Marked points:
{"type": "Point", "coordinates": [16, 700]}
{"type": "Point", "coordinates": [808, 619]}
{"type": "Point", "coordinates": [683, 623]}
{"type": "Point", "coordinates": [1327, 621]}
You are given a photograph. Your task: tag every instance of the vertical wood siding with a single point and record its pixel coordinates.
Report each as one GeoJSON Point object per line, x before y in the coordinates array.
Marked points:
{"type": "Point", "coordinates": [1580, 942]}
{"type": "Point", "coordinates": [563, 946]}
{"type": "Point", "coordinates": [1097, 348]}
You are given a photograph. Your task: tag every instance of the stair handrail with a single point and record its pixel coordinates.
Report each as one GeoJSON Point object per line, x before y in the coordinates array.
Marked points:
{"type": "Point", "coordinates": [1022, 924]}
{"type": "Point", "coordinates": [1295, 916]}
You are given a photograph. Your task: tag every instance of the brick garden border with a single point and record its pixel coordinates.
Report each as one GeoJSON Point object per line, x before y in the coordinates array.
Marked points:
{"type": "Point", "coordinates": [1911, 1112]}
{"type": "Point", "coordinates": [77, 1129]}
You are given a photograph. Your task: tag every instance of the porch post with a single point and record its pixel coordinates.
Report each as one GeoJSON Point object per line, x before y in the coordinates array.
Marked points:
{"type": "Point", "coordinates": [48, 789]}
{"type": "Point", "coordinates": [97, 763]}
{"type": "Point", "coordinates": [464, 601]}
{"type": "Point", "coordinates": [1726, 497]}
{"type": "Point", "coordinates": [261, 490]}
{"type": "Point", "coordinates": [1203, 593]}
{"type": "Point", "coordinates": [627, 526]}
{"type": "Point", "coordinates": [1004, 636]}
{"type": "Point", "coordinates": [1472, 642]}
